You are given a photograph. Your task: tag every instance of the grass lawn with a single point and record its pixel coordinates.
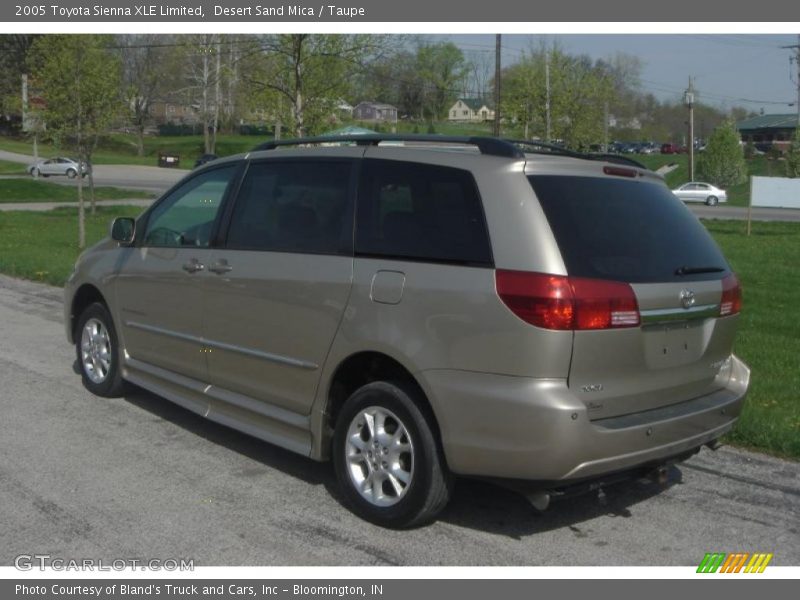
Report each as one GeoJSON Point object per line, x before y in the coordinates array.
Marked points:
{"type": "Point", "coordinates": [769, 330]}
{"type": "Point", "coordinates": [11, 168]}
{"type": "Point", "coordinates": [30, 190]}
{"type": "Point", "coordinates": [42, 247]}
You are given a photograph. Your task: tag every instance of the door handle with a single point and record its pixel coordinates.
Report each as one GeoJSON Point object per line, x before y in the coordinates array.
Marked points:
{"type": "Point", "coordinates": [193, 266]}
{"type": "Point", "coordinates": [220, 267]}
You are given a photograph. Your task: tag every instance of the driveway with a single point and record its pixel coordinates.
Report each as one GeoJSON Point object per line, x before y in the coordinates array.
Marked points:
{"type": "Point", "coordinates": [140, 477]}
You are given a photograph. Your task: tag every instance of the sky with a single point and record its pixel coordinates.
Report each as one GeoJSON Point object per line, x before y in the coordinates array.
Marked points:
{"type": "Point", "coordinates": [751, 71]}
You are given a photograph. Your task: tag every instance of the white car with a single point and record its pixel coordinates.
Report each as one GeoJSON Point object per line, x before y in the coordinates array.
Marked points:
{"type": "Point", "coordinates": [58, 166]}
{"type": "Point", "coordinates": [697, 191]}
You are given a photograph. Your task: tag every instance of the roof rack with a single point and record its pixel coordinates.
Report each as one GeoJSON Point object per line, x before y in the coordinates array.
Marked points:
{"type": "Point", "coordinates": [546, 148]}
{"type": "Point", "coordinates": [509, 148]}
{"type": "Point", "coordinates": [486, 145]}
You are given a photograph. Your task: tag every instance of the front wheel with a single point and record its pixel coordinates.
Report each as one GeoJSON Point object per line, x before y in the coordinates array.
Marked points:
{"type": "Point", "coordinates": [72, 173]}
{"type": "Point", "coordinates": [712, 201]}
{"type": "Point", "coordinates": [389, 465]}
{"type": "Point", "coordinates": [98, 352]}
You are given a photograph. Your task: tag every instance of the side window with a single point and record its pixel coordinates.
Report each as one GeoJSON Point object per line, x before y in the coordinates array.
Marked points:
{"type": "Point", "coordinates": [294, 206]}
{"type": "Point", "coordinates": [424, 212]}
{"type": "Point", "coordinates": [186, 217]}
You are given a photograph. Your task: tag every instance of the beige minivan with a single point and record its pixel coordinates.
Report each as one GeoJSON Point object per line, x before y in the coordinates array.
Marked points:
{"type": "Point", "coordinates": [421, 309]}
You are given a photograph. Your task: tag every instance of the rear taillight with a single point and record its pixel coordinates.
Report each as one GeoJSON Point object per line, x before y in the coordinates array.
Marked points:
{"type": "Point", "coordinates": [731, 302]}
{"type": "Point", "coordinates": [566, 303]}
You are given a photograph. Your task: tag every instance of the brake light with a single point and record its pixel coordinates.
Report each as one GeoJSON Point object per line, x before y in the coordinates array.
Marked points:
{"type": "Point", "coordinates": [731, 302]}
{"type": "Point", "coordinates": [620, 171]}
{"type": "Point", "coordinates": [567, 303]}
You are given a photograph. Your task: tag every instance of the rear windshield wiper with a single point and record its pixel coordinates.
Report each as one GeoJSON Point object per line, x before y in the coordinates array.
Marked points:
{"type": "Point", "coordinates": [696, 270]}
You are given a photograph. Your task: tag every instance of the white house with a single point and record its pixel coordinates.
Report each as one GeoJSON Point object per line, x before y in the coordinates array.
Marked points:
{"type": "Point", "coordinates": [470, 109]}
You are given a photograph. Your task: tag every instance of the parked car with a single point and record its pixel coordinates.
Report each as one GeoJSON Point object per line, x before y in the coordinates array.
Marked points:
{"type": "Point", "coordinates": [205, 158]}
{"type": "Point", "coordinates": [58, 166]}
{"type": "Point", "coordinates": [419, 312]}
{"type": "Point", "coordinates": [698, 191]}
{"type": "Point", "coordinates": [670, 149]}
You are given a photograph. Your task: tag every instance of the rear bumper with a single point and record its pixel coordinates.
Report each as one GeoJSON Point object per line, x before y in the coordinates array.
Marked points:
{"type": "Point", "coordinates": [534, 429]}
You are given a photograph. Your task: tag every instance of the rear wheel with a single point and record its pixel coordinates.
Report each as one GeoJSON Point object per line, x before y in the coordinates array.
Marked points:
{"type": "Point", "coordinates": [98, 352]}
{"type": "Point", "coordinates": [389, 466]}
{"type": "Point", "coordinates": [712, 201]}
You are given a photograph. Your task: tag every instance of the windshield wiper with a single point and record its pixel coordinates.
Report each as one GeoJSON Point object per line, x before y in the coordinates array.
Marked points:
{"type": "Point", "coordinates": [696, 270]}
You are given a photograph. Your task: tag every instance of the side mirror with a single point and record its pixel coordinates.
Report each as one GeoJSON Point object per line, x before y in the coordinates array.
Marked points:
{"type": "Point", "coordinates": [123, 229]}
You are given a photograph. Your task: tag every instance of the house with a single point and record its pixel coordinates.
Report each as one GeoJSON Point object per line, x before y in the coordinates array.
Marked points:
{"type": "Point", "coordinates": [770, 130]}
{"type": "Point", "coordinates": [173, 113]}
{"type": "Point", "coordinates": [375, 112]}
{"type": "Point", "coordinates": [470, 109]}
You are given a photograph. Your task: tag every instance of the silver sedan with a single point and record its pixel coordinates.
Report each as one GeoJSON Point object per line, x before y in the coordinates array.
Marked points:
{"type": "Point", "coordinates": [697, 191]}
{"type": "Point", "coordinates": [58, 166]}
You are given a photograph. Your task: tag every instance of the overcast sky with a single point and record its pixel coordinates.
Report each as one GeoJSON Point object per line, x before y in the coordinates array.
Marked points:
{"type": "Point", "coordinates": [752, 71]}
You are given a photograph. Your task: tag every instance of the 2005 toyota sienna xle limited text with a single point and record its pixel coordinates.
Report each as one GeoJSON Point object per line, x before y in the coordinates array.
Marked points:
{"type": "Point", "coordinates": [422, 309]}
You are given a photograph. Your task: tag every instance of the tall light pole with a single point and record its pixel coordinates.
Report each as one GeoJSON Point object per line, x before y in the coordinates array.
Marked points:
{"type": "Point", "coordinates": [796, 59]}
{"type": "Point", "coordinates": [497, 49]}
{"type": "Point", "coordinates": [689, 100]}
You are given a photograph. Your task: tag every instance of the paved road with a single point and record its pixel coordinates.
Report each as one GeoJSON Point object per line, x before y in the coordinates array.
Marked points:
{"type": "Point", "coordinates": [150, 179]}
{"type": "Point", "coordinates": [139, 477]}
{"type": "Point", "coordinates": [740, 213]}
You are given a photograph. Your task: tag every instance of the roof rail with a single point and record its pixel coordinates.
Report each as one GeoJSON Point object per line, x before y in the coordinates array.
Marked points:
{"type": "Point", "coordinates": [546, 148]}
{"type": "Point", "coordinates": [509, 148]}
{"type": "Point", "coordinates": [486, 145]}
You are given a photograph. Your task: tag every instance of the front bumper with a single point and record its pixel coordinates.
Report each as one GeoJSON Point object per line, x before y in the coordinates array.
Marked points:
{"type": "Point", "coordinates": [534, 429]}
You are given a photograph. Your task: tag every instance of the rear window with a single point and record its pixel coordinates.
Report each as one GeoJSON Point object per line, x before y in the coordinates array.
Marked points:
{"type": "Point", "coordinates": [634, 231]}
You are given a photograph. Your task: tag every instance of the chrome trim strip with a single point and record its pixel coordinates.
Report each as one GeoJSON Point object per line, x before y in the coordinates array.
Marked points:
{"type": "Point", "coordinates": [276, 358]}
{"type": "Point", "coordinates": [661, 315]}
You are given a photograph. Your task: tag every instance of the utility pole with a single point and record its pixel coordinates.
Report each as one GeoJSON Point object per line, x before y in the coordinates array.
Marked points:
{"type": "Point", "coordinates": [796, 48]}
{"type": "Point", "coordinates": [605, 126]}
{"type": "Point", "coordinates": [689, 98]}
{"type": "Point", "coordinates": [497, 49]}
{"type": "Point", "coordinates": [547, 93]}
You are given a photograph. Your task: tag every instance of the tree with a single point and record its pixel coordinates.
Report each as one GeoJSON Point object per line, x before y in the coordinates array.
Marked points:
{"type": "Point", "coordinates": [578, 92]}
{"type": "Point", "coordinates": [146, 63]}
{"type": "Point", "coordinates": [793, 156]}
{"type": "Point", "coordinates": [722, 163]}
{"type": "Point", "coordinates": [80, 82]}
{"type": "Point", "coordinates": [14, 50]}
{"type": "Point", "coordinates": [301, 77]}
{"type": "Point", "coordinates": [442, 69]}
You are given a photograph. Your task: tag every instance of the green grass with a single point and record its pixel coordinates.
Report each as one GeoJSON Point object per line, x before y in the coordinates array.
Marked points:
{"type": "Point", "coordinates": [43, 246]}
{"type": "Point", "coordinates": [11, 168]}
{"type": "Point", "coordinates": [30, 190]}
{"type": "Point", "coordinates": [769, 331]}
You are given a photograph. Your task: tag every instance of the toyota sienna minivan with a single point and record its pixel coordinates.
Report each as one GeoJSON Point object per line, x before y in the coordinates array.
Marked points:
{"type": "Point", "coordinates": [422, 309]}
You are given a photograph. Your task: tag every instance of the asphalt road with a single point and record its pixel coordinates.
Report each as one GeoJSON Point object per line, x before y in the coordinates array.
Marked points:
{"type": "Point", "coordinates": [157, 180]}
{"type": "Point", "coordinates": [150, 179]}
{"type": "Point", "coordinates": [138, 477]}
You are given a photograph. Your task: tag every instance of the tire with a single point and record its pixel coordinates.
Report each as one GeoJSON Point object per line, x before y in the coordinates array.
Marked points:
{"type": "Point", "coordinates": [99, 363]}
{"type": "Point", "coordinates": [712, 201]}
{"type": "Point", "coordinates": [406, 449]}
{"type": "Point", "coordinates": [72, 173]}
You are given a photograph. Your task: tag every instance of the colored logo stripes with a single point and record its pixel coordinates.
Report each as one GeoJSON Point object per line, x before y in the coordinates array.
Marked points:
{"type": "Point", "coordinates": [734, 563]}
